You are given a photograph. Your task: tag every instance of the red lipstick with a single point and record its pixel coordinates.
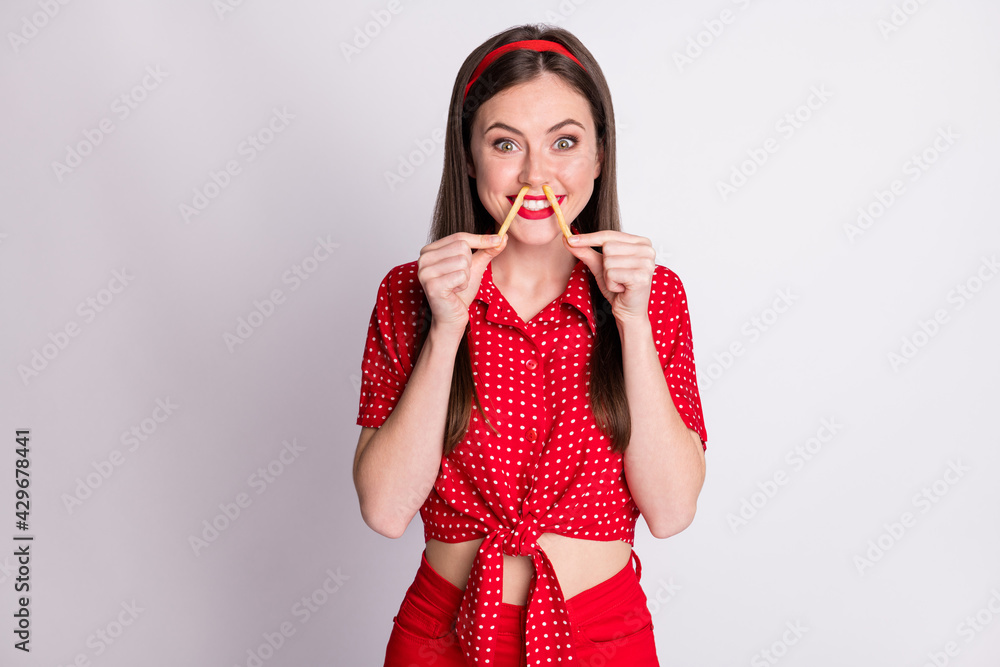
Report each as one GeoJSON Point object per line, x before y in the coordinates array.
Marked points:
{"type": "Point", "coordinates": [540, 214]}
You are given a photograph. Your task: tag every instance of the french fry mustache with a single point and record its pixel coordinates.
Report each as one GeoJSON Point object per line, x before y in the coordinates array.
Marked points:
{"type": "Point", "coordinates": [513, 211]}
{"type": "Point", "coordinates": [552, 200]}
{"type": "Point", "coordinates": [555, 207]}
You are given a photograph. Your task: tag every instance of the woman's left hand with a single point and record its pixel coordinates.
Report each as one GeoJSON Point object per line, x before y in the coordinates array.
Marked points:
{"type": "Point", "coordinates": [624, 270]}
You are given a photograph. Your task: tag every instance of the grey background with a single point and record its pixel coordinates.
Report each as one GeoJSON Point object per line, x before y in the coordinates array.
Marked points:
{"type": "Point", "coordinates": [719, 595]}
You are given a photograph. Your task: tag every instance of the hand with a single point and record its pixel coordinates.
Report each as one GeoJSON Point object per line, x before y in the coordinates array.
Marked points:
{"type": "Point", "coordinates": [624, 270]}
{"type": "Point", "coordinates": [450, 274]}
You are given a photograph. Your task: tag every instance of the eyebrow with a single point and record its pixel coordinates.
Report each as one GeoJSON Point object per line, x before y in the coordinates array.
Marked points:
{"type": "Point", "coordinates": [557, 126]}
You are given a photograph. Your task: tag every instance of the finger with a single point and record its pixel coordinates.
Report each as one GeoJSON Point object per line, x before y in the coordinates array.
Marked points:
{"type": "Point", "coordinates": [593, 259]}
{"type": "Point", "coordinates": [447, 258]}
{"type": "Point", "coordinates": [449, 283]}
{"type": "Point", "coordinates": [627, 260]}
{"type": "Point", "coordinates": [604, 236]}
{"type": "Point", "coordinates": [472, 240]}
{"type": "Point", "coordinates": [630, 277]}
{"type": "Point", "coordinates": [440, 262]}
{"type": "Point", "coordinates": [481, 258]}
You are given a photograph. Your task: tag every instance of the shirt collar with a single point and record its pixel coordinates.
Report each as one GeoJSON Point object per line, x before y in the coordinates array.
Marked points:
{"type": "Point", "coordinates": [577, 292]}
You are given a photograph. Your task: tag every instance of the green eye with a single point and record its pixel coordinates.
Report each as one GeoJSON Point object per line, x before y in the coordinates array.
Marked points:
{"type": "Point", "coordinates": [564, 143]}
{"type": "Point", "coordinates": [505, 146]}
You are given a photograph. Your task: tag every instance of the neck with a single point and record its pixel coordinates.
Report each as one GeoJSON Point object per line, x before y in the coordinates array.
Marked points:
{"type": "Point", "coordinates": [530, 268]}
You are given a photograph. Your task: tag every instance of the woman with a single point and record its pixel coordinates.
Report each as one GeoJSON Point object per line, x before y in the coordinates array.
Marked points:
{"type": "Point", "coordinates": [529, 395]}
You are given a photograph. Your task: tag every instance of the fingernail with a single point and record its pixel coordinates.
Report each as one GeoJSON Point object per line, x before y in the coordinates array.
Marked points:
{"type": "Point", "coordinates": [495, 239]}
{"type": "Point", "coordinates": [573, 240]}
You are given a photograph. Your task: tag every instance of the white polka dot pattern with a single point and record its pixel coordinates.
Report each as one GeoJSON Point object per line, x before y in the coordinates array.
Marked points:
{"type": "Point", "coordinates": [547, 468]}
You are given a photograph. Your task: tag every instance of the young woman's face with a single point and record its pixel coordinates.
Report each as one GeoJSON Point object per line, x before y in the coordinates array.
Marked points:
{"type": "Point", "coordinates": [535, 133]}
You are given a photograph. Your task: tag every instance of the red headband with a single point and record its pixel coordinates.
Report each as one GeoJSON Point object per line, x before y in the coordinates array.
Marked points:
{"type": "Point", "coordinates": [532, 44]}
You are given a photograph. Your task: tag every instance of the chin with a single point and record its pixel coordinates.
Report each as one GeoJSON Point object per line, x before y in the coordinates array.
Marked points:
{"type": "Point", "coordinates": [539, 237]}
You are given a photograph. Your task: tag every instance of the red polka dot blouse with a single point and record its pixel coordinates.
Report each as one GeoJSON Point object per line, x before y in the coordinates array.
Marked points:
{"type": "Point", "coordinates": [549, 469]}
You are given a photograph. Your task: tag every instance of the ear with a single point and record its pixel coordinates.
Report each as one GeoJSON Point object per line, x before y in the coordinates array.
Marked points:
{"type": "Point", "coordinates": [600, 162]}
{"type": "Point", "coordinates": [470, 167]}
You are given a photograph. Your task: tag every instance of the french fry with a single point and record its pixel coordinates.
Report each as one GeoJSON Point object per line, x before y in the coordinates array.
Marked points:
{"type": "Point", "coordinates": [555, 207]}
{"type": "Point", "coordinates": [513, 211]}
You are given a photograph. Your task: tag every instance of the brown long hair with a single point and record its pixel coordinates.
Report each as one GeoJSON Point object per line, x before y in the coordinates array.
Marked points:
{"type": "Point", "coordinates": [458, 209]}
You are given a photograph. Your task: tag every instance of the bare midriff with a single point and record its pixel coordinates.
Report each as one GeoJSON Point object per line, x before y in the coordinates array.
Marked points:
{"type": "Point", "coordinates": [579, 564]}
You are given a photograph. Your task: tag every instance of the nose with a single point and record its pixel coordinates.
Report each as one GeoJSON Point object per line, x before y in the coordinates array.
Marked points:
{"type": "Point", "coordinates": [534, 169]}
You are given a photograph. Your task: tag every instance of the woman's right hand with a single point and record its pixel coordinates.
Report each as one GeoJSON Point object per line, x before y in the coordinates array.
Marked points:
{"type": "Point", "coordinates": [450, 274]}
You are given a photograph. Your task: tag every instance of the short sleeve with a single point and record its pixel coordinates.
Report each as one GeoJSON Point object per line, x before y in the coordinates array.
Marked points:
{"type": "Point", "coordinates": [388, 355]}
{"type": "Point", "coordinates": [668, 314]}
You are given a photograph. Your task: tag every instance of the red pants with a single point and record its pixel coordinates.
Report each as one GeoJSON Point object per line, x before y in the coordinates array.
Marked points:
{"type": "Point", "coordinates": [610, 622]}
